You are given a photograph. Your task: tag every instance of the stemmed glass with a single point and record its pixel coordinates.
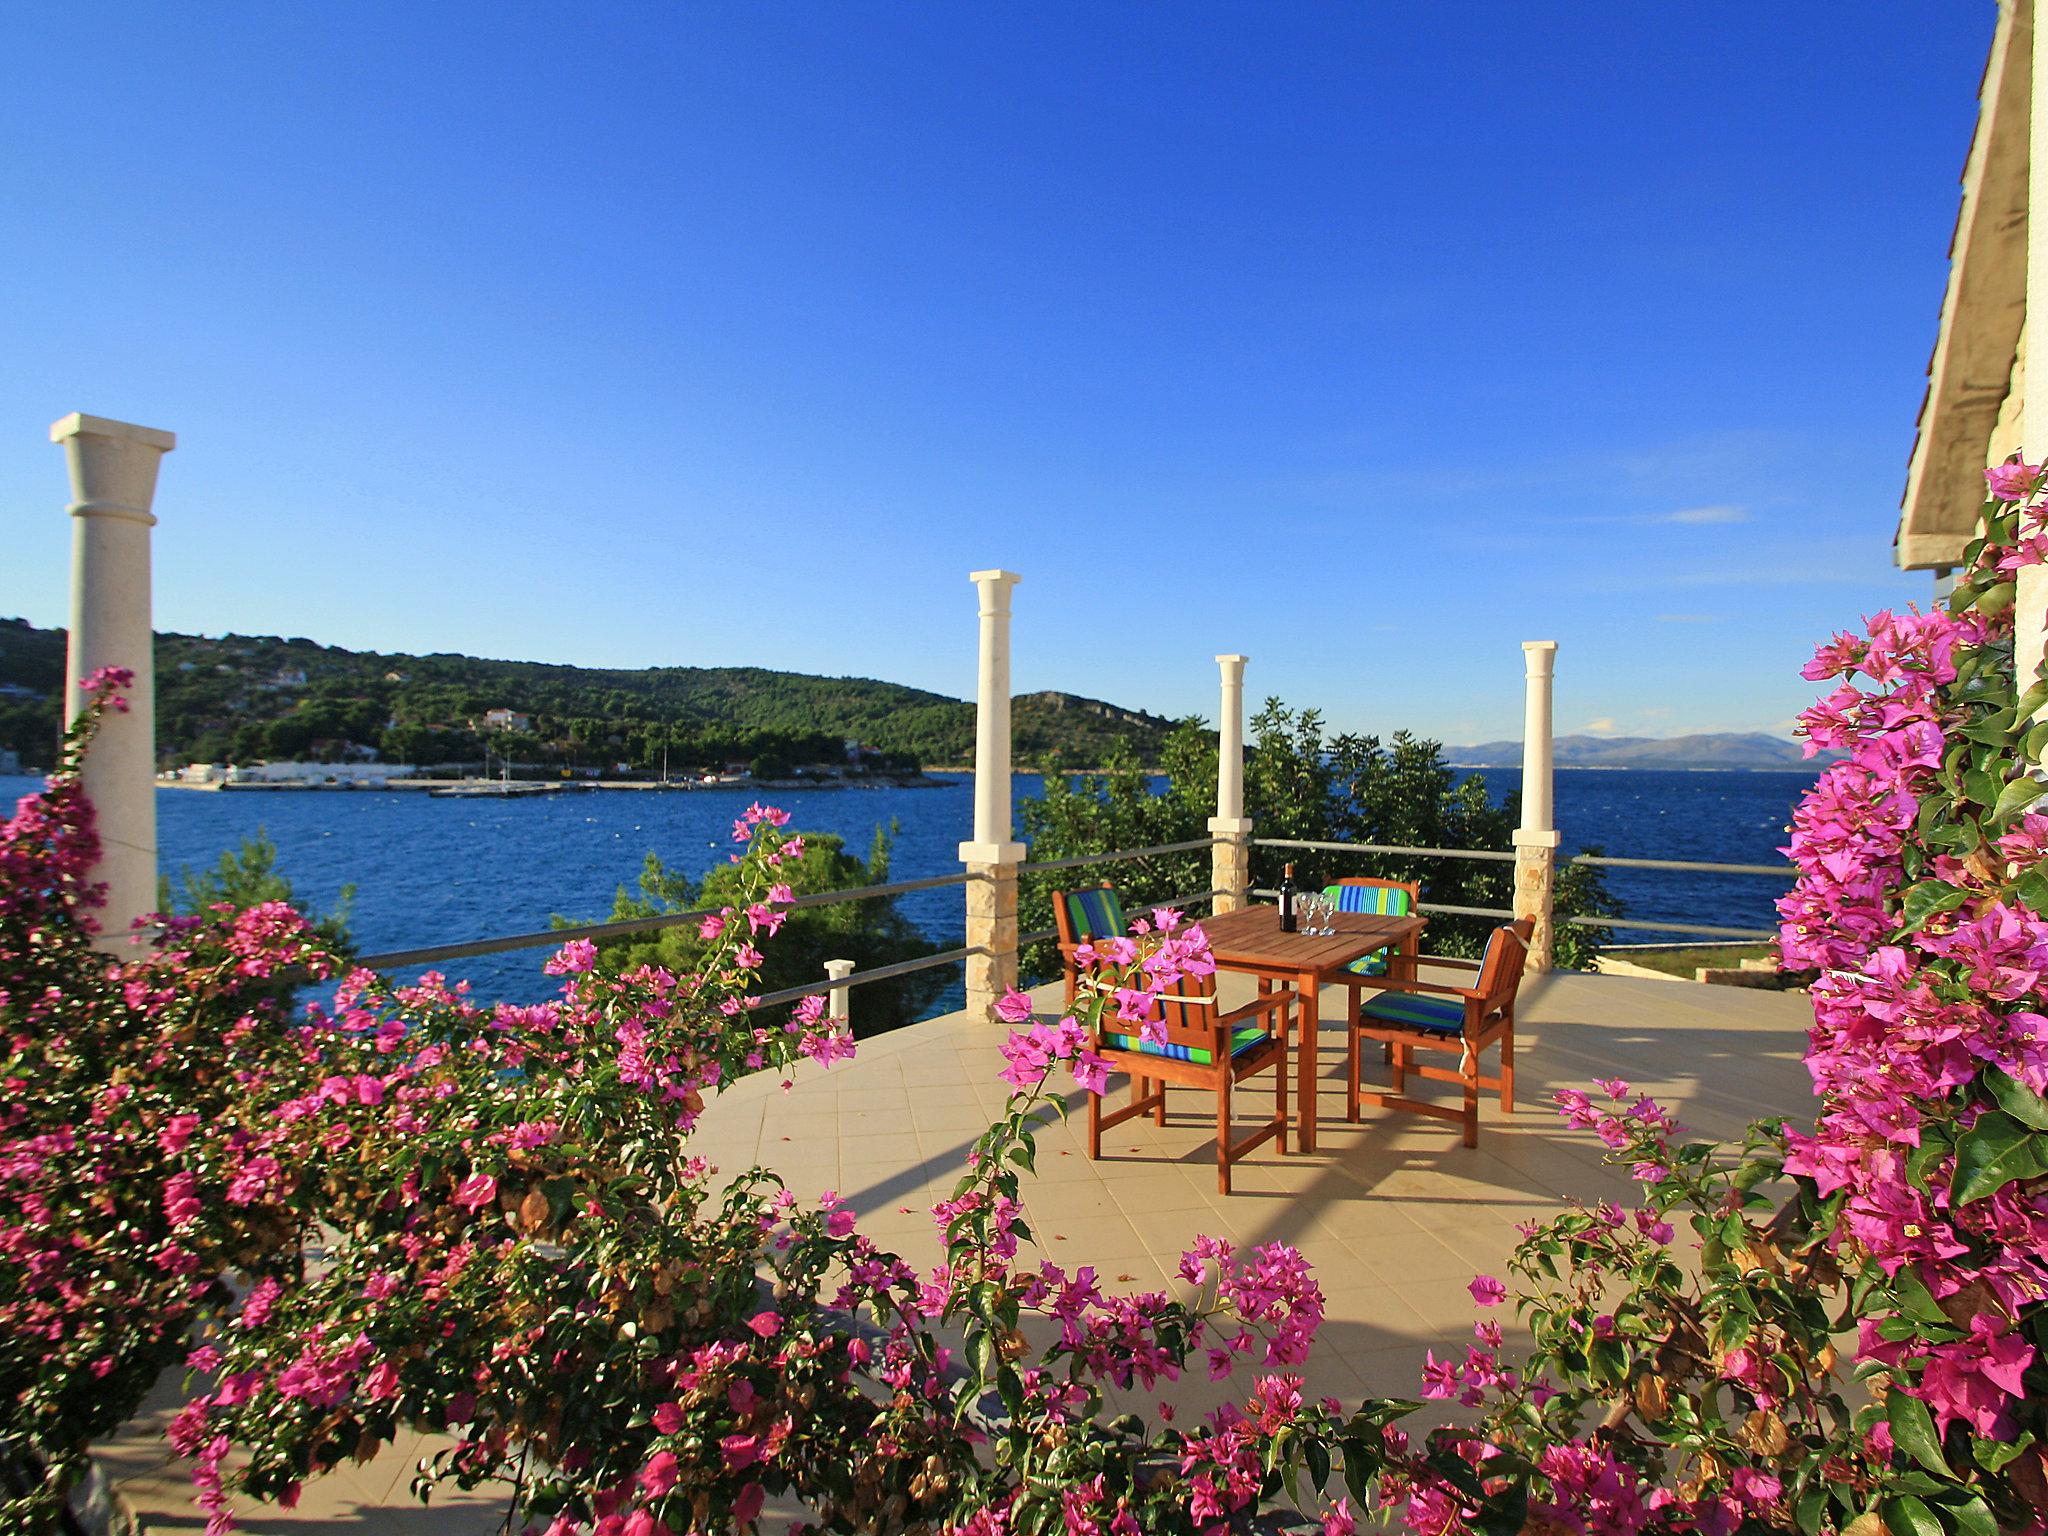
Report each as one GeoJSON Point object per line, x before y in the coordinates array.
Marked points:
{"type": "Point", "coordinates": [1327, 910]}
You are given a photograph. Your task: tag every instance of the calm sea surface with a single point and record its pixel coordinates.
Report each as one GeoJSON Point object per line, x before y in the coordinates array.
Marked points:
{"type": "Point", "coordinates": [432, 871]}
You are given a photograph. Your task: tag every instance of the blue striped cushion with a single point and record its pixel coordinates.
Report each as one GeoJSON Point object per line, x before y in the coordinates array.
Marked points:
{"type": "Point", "coordinates": [1096, 914]}
{"type": "Point", "coordinates": [1417, 1010]}
{"type": "Point", "coordinates": [1387, 900]}
{"type": "Point", "coordinates": [1243, 1039]}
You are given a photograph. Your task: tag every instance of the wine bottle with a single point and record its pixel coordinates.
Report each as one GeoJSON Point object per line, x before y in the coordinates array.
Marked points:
{"type": "Point", "coordinates": [1287, 898]}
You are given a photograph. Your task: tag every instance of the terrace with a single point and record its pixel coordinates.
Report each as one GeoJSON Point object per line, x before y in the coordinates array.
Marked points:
{"type": "Point", "coordinates": [1395, 1214]}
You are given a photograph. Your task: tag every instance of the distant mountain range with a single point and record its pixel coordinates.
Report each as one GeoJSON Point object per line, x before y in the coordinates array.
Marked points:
{"type": "Point", "coordinates": [1724, 749]}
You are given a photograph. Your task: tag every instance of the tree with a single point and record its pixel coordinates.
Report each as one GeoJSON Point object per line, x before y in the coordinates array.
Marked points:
{"type": "Point", "coordinates": [1299, 786]}
{"type": "Point", "coordinates": [869, 933]}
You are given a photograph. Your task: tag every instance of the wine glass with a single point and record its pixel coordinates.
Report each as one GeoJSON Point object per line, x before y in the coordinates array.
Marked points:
{"type": "Point", "coordinates": [1329, 914]}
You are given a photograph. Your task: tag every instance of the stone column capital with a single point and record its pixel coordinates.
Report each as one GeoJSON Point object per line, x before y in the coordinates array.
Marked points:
{"type": "Point", "coordinates": [1537, 837]}
{"type": "Point", "coordinates": [1541, 656]}
{"type": "Point", "coordinates": [992, 855]}
{"type": "Point", "coordinates": [113, 465]}
{"type": "Point", "coordinates": [1231, 826]}
{"type": "Point", "coordinates": [995, 589]}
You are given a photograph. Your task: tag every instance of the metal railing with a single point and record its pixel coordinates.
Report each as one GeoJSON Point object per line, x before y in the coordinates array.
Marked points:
{"type": "Point", "coordinates": [433, 954]}
{"type": "Point", "coordinates": [1597, 861]}
{"type": "Point", "coordinates": [1121, 855]}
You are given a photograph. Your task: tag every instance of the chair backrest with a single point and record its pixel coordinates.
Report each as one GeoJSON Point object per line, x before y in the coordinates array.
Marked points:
{"type": "Point", "coordinates": [1090, 913]}
{"type": "Point", "coordinates": [1500, 968]}
{"type": "Point", "coordinates": [1363, 893]}
{"type": "Point", "coordinates": [1190, 1014]}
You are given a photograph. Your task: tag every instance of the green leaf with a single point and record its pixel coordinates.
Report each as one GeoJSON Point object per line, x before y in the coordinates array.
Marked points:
{"type": "Point", "coordinates": [1915, 1300]}
{"type": "Point", "coordinates": [2035, 742]}
{"type": "Point", "coordinates": [1994, 600]}
{"type": "Point", "coordinates": [1994, 1152]}
{"type": "Point", "coordinates": [1913, 1432]}
{"type": "Point", "coordinates": [2016, 797]}
{"type": "Point", "coordinates": [2032, 889]}
{"type": "Point", "coordinates": [1927, 898]}
{"type": "Point", "coordinates": [1992, 1455]}
{"type": "Point", "coordinates": [1318, 1463]}
{"type": "Point", "coordinates": [1908, 1516]}
{"type": "Point", "coordinates": [1981, 787]}
{"type": "Point", "coordinates": [2016, 1098]}
{"type": "Point", "coordinates": [1972, 1517]}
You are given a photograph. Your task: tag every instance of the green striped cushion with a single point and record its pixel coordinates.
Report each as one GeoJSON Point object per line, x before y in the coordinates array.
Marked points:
{"type": "Point", "coordinates": [1415, 1010]}
{"type": "Point", "coordinates": [1387, 900]}
{"type": "Point", "coordinates": [1096, 914]}
{"type": "Point", "coordinates": [1241, 1040]}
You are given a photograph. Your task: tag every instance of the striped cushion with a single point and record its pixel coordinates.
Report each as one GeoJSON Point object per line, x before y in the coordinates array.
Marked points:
{"type": "Point", "coordinates": [1096, 914]}
{"type": "Point", "coordinates": [1417, 1010]}
{"type": "Point", "coordinates": [1243, 1039]}
{"type": "Point", "coordinates": [1387, 900]}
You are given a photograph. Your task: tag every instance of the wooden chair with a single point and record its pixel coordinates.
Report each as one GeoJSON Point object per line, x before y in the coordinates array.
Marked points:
{"type": "Point", "coordinates": [1204, 1047]}
{"type": "Point", "coordinates": [1083, 916]}
{"type": "Point", "coordinates": [1391, 898]}
{"type": "Point", "coordinates": [1411, 1015]}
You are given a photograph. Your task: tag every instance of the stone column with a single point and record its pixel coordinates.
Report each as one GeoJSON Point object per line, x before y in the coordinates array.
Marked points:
{"type": "Point", "coordinates": [839, 1001]}
{"type": "Point", "coordinates": [1231, 857]}
{"type": "Point", "coordinates": [113, 468]}
{"type": "Point", "coordinates": [993, 856]}
{"type": "Point", "coordinates": [1536, 839]}
{"type": "Point", "coordinates": [2030, 585]}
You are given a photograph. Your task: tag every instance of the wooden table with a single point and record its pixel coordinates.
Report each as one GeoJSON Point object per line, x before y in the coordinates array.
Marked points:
{"type": "Point", "coordinates": [1249, 941]}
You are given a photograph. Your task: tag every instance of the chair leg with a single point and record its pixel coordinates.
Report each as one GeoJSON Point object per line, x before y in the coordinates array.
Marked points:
{"type": "Point", "coordinates": [1223, 1133]}
{"type": "Point", "coordinates": [1095, 1126]}
{"type": "Point", "coordinates": [1351, 1069]}
{"type": "Point", "coordinates": [1159, 1109]}
{"type": "Point", "coordinates": [1280, 1090]}
{"type": "Point", "coordinates": [1507, 1067]}
{"type": "Point", "coordinates": [1398, 1056]}
{"type": "Point", "coordinates": [1468, 1070]}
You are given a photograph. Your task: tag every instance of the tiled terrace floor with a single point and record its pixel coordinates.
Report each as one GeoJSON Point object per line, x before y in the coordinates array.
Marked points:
{"type": "Point", "coordinates": [1395, 1213]}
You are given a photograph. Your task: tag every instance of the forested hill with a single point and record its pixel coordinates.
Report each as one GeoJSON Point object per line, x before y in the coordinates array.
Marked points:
{"type": "Point", "coordinates": [241, 698]}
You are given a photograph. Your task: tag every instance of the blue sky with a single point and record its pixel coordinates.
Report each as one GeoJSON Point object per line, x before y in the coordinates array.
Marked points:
{"type": "Point", "coordinates": [1369, 340]}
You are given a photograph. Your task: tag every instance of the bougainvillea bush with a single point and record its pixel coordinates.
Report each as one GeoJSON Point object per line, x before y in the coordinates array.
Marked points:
{"type": "Point", "coordinates": [123, 1078]}
{"type": "Point", "coordinates": [409, 1209]}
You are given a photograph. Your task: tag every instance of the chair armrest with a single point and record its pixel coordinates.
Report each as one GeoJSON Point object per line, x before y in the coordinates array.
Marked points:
{"type": "Point", "coordinates": [1447, 961]}
{"type": "Point", "coordinates": [1259, 1005]}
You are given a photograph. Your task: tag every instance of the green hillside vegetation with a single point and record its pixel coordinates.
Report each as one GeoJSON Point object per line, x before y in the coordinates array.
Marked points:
{"type": "Point", "coordinates": [870, 933]}
{"type": "Point", "coordinates": [247, 698]}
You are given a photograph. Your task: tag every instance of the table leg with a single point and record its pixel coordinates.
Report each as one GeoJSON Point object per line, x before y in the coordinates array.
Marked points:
{"type": "Point", "coordinates": [1306, 1047]}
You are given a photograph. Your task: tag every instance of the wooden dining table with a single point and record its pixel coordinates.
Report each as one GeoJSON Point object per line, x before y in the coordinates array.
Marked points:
{"type": "Point", "coordinates": [1249, 941]}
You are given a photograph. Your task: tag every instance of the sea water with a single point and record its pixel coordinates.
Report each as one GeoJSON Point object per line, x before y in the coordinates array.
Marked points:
{"type": "Point", "coordinates": [441, 871]}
